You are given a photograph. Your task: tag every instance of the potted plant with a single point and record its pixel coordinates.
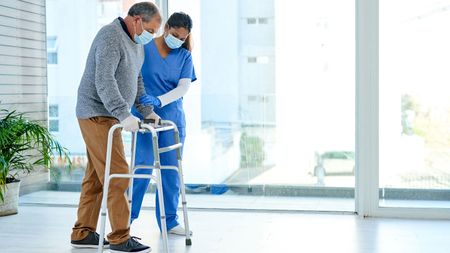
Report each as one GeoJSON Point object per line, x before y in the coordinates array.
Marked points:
{"type": "Point", "coordinates": [24, 145]}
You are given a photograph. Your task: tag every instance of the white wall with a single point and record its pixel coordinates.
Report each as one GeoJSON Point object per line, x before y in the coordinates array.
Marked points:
{"type": "Point", "coordinates": [23, 69]}
{"type": "Point", "coordinates": [23, 64]}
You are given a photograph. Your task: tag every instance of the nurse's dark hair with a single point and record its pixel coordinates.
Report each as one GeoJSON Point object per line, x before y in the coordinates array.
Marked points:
{"type": "Point", "coordinates": [181, 20]}
{"type": "Point", "coordinates": [144, 9]}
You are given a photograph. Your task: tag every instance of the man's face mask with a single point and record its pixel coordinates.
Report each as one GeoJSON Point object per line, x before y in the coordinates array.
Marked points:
{"type": "Point", "coordinates": [144, 38]}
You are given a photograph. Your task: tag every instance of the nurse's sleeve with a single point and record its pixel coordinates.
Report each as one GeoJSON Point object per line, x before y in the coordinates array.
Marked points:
{"type": "Point", "coordinates": [177, 93]}
{"type": "Point", "coordinates": [188, 70]}
{"type": "Point", "coordinates": [186, 78]}
{"type": "Point", "coordinates": [144, 110]}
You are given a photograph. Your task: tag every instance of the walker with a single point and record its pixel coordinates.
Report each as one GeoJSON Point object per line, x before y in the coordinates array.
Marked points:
{"type": "Point", "coordinates": [146, 127]}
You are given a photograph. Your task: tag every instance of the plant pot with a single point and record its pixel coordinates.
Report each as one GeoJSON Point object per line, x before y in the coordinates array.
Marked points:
{"type": "Point", "coordinates": [11, 203]}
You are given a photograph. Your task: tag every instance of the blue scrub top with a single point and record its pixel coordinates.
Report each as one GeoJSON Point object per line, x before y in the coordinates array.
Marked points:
{"type": "Point", "coordinates": [162, 75]}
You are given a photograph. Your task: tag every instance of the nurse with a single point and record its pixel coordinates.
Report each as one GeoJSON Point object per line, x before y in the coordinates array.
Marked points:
{"type": "Point", "coordinates": [167, 72]}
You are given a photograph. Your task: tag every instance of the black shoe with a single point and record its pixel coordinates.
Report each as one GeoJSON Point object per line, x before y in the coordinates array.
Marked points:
{"type": "Point", "coordinates": [89, 242]}
{"type": "Point", "coordinates": [130, 245]}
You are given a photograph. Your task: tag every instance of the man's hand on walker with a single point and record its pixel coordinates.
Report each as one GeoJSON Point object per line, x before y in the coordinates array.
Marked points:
{"type": "Point", "coordinates": [131, 123]}
{"type": "Point", "coordinates": [155, 117]}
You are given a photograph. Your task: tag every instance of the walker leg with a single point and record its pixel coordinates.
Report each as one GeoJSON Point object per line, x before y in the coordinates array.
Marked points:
{"type": "Point", "coordinates": [102, 220]}
{"type": "Point", "coordinates": [184, 204]}
{"type": "Point", "coordinates": [102, 226]}
{"type": "Point", "coordinates": [132, 165]}
{"type": "Point", "coordinates": [105, 191]}
{"type": "Point", "coordinates": [162, 211]}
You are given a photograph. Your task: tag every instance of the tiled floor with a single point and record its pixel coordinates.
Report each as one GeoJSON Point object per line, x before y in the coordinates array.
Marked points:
{"type": "Point", "coordinates": [46, 230]}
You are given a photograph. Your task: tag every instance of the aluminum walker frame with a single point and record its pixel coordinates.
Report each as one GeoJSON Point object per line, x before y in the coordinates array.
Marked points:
{"type": "Point", "coordinates": [146, 127]}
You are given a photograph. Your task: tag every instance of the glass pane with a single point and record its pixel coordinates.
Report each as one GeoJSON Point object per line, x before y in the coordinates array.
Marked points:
{"type": "Point", "coordinates": [414, 104]}
{"type": "Point", "coordinates": [53, 111]}
{"type": "Point", "coordinates": [53, 125]}
{"type": "Point", "coordinates": [52, 58]}
{"type": "Point", "coordinates": [251, 21]}
{"type": "Point", "coordinates": [51, 42]}
{"type": "Point", "coordinates": [277, 105]}
{"type": "Point", "coordinates": [263, 20]}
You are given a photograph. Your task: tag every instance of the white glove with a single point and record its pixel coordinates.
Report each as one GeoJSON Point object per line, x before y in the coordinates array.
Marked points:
{"type": "Point", "coordinates": [154, 117]}
{"type": "Point", "coordinates": [131, 123]}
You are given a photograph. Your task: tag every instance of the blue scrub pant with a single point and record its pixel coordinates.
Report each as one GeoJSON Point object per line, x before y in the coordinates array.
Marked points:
{"type": "Point", "coordinates": [170, 180]}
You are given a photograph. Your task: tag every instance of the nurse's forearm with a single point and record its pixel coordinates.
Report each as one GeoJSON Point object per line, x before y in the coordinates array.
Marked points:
{"type": "Point", "coordinates": [177, 93]}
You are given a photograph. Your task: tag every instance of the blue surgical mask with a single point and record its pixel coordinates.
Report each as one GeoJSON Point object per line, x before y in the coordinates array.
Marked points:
{"type": "Point", "coordinates": [144, 38]}
{"type": "Point", "coordinates": [173, 42]}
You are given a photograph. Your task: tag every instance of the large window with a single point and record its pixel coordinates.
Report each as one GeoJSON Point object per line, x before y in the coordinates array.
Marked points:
{"type": "Point", "coordinates": [272, 112]}
{"type": "Point", "coordinates": [277, 101]}
{"type": "Point", "coordinates": [414, 103]}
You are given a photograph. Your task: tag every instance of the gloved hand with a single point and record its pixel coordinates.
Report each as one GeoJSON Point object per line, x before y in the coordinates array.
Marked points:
{"type": "Point", "coordinates": [150, 100]}
{"type": "Point", "coordinates": [154, 117]}
{"type": "Point", "coordinates": [131, 123]}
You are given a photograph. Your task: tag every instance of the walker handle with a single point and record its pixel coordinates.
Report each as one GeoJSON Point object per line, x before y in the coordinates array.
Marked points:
{"type": "Point", "coordinates": [149, 121]}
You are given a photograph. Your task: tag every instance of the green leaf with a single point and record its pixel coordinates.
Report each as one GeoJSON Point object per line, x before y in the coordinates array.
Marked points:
{"type": "Point", "coordinates": [19, 137]}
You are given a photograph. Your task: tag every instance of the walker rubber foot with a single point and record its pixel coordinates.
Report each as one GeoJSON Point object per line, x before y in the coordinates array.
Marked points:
{"type": "Point", "coordinates": [188, 242]}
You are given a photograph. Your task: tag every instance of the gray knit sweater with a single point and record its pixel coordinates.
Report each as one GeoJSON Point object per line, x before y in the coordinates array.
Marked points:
{"type": "Point", "coordinates": [112, 80]}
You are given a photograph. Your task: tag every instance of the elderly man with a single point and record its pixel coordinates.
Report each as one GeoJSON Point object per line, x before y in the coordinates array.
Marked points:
{"type": "Point", "coordinates": [110, 85]}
